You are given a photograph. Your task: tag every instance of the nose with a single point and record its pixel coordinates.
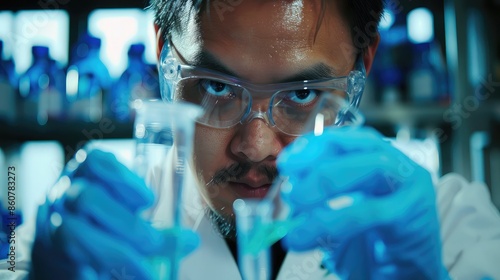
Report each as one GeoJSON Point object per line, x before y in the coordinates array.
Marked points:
{"type": "Point", "coordinates": [256, 141]}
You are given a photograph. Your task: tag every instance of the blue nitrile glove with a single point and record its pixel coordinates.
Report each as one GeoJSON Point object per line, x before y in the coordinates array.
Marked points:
{"type": "Point", "coordinates": [90, 226]}
{"type": "Point", "coordinates": [368, 207]}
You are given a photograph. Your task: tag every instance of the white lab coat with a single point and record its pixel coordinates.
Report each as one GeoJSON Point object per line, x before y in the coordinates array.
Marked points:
{"type": "Point", "coordinates": [470, 230]}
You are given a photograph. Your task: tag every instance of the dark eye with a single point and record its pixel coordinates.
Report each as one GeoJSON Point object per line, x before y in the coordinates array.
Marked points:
{"type": "Point", "coordinates": [216, 88]}
{"type": "Point", "coordinates": [303, 96]}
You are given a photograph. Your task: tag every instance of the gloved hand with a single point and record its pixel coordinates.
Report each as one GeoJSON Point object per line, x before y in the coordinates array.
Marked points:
{"type": "Point", "coordinates": [90, 226]}
{"type": "Point", "coordinates": [368, 207]}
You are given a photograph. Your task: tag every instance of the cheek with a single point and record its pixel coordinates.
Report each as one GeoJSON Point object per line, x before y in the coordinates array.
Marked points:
{"type": "Point", "coordinates": [210, 147]}
{"type": "Point", "coordinates": [210, 155]}
{"type": "Point", "coordinates": [286, 140]}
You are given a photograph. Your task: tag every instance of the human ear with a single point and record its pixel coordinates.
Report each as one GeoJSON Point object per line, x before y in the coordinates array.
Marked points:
{"type": "Point", "coordinates": [159, 41]}
{"type": "Point", "coordinates": [369, 54]}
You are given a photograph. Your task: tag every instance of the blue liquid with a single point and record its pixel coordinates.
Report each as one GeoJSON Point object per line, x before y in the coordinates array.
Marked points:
{"type": "Point", "coordinates": [265, 235]}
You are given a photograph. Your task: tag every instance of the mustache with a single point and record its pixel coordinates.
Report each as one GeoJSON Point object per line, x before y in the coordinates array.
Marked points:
{"type": "Point", "coordinates": [239, 170]}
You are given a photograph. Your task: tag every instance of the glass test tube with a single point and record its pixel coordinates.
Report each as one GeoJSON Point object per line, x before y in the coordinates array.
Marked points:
{"type": "Point", "coordinates": [164, 140]}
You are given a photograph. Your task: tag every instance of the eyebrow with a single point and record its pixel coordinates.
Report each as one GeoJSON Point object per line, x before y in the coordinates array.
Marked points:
{"type": "Point", "coordinates": [318, 71]}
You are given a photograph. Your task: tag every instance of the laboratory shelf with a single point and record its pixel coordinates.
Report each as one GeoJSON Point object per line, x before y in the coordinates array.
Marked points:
{"type": "Point", "coordinates": [404, 114]}
{"type": "Point", "coordinates": [80, 6]}
{"type": "Point", "coordinates": [424, 115]}
{"type": "Point", "coordinates": [64, 131]}
{"type": "Point", "coordinates": [428, 114]}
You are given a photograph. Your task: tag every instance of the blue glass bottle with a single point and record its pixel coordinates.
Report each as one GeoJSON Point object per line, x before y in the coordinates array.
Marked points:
{"type": "Point", "coordinates": [423, 78]}
{"type": "Point", "coordinates": [88, 81]}
{"type": "Point", "coordinates": [10, 221]}
{"type": "Point", "coordinates": [138, 82]}
{"type": "Point", "coordinates": [41, 88]}
{"type": "Point", "coordinates": [7, 88]}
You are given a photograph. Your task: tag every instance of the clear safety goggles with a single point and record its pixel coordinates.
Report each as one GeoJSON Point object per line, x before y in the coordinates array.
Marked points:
{"type": "Point", "coordinates": [227, 101]}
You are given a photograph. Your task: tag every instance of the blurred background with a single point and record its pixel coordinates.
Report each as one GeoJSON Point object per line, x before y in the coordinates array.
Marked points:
{"type": "Point", "coordinates": [71, 70]}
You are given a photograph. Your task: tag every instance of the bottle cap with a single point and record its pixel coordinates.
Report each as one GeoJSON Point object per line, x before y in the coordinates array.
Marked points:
{"type": "Point", "coordinates": [421, 47]}
{"type": "Point", "coordinates": [40, 51]}
{"type": "Point", "coordinates": [136, 49]}
{"type": "Point", "coordinates": [94, 42]}
{"type": "Point", "coordinates": [391, 76]}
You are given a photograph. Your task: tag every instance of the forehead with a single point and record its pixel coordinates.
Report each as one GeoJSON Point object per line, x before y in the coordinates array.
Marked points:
{"type": "Point", "coordinates": [250, 37]}
{"type": "Point", "coordinates": [273, 21]}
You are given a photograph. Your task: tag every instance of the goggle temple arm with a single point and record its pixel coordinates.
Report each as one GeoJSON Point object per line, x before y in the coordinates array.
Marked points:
{"type": "Point", "coordinates": [356, 82]}
{"type": "Point", "coordinates": [168, 73]}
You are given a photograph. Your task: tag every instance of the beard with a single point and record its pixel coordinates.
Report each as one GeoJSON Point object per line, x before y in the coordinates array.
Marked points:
{"type": "Point", "coordinates": [225, 225]}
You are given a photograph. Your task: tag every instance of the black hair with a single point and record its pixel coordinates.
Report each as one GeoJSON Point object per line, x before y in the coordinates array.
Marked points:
{"type": "Point", "coordinates": [362, 15]}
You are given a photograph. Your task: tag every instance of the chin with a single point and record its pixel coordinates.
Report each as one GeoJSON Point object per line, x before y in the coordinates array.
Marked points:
{"type": "Point", "coordinates": [223, 223]}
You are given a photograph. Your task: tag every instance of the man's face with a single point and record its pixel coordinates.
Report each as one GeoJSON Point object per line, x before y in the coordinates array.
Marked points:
{"type": "Point", "coordinates": [261, 42]}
